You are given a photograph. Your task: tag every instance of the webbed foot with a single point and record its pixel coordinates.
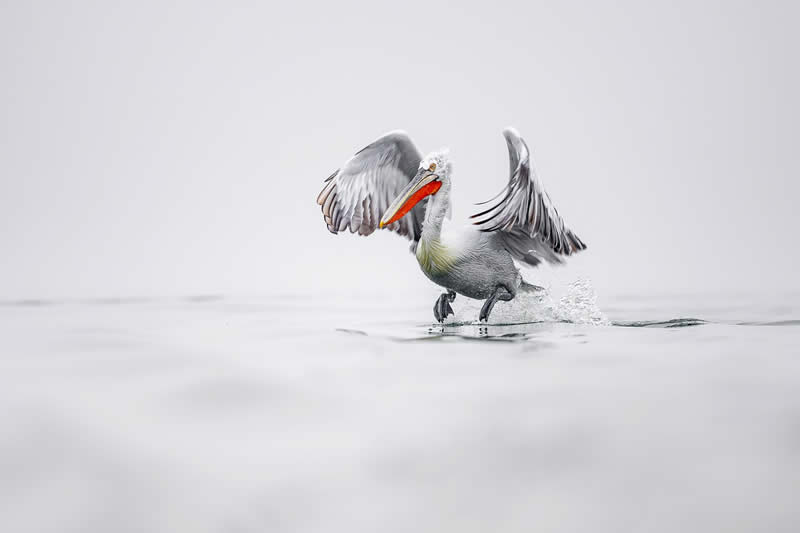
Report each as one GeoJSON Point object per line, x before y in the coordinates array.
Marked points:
{"type": "Point", "coordinates": [500, 293]}
{"type": "Point", "coordinates": [442, 308]}
{"type": "Point", "coordinates": [486, 309]}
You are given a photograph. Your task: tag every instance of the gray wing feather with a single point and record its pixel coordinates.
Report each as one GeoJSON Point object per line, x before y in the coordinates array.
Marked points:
{"type": "Point", "coordinates": [356, 195]}
{"type": "Point", "coordinates": [524, 220]}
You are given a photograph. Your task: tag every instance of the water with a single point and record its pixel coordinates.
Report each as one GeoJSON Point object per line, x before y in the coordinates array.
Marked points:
{"type": "Point", "coordinates": [354, 413]}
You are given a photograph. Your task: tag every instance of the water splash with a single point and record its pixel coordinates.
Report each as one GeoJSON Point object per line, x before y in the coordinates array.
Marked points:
{"type": "Point", "coordinates": [578, 305]}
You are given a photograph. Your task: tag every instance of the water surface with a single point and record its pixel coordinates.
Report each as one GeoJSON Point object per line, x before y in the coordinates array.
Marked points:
{"type": "Point", "coordinates": [355, 413]}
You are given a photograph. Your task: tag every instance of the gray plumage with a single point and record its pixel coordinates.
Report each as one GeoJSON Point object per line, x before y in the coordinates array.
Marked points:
{"type": "Point", "coordinates": [525, 220]}
{"type": "Point", "coordinates": [356, 195]}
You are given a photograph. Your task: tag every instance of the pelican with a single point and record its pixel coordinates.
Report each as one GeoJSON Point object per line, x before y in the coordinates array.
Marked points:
{"type": "Point", "coordinates": [389, 185]}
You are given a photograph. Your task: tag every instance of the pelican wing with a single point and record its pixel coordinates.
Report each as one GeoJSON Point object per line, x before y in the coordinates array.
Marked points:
{"type": "Point", "coordinates": [356, 195]}
{"type": "Point", "coordinates": [523, 217]}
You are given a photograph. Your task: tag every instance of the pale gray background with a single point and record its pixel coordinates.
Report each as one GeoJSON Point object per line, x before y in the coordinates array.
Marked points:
{"type": "Point", "coordinates": [164, 150]}
{"type": "Point", "coordinates": [173, 148]}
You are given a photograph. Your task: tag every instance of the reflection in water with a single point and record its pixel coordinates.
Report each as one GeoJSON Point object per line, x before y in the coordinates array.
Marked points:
{"type": "Point", "coordinates": [494, 332]}
{"type": "Point", "coordinates": [672, 323]}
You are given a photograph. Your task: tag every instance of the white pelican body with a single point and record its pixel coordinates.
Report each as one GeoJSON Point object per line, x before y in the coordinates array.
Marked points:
{"type": "Point", "coordinates": [412, 194]}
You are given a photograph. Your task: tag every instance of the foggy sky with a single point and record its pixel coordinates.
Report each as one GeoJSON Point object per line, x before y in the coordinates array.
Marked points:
{"type": "Point", "coordinates": [151, 149]}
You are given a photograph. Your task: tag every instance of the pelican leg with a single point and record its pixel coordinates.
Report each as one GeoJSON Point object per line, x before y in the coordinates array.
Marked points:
{"type": "Point", "coordinates": [501, 292]}
{"type": "Point", "coordinates": [442, 309]}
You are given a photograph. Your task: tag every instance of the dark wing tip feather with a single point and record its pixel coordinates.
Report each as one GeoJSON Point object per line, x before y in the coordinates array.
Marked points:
{"type": "Point", "coordinates": [524, 215]}
{"type": "Point", "coordinates": [326, 190]}
{"type": "Point", "coordinates": [577, 243]}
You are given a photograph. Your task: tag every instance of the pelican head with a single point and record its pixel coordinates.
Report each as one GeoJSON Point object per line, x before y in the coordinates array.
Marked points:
{"type": "Point", "coordinates": [433, 172]}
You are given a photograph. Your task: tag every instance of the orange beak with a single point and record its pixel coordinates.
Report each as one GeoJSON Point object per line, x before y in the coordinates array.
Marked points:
{"type": "Point", "coordinates": [420, 188]}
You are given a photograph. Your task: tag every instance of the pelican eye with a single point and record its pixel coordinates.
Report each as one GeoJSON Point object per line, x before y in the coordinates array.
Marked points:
{"type": "Point", "coordinates": [432, 167]}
